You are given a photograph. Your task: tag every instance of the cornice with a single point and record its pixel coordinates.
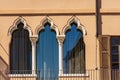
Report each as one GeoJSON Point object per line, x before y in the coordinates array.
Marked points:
{"type": "Point", "coordinates": [33, 12]}
{"type": "Point", "coordinates": [109, 11]}
{"type": "Point", "coordinates": [47, 12]}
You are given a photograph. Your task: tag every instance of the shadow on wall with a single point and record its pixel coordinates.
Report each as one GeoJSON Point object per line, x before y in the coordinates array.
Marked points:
{"type": "Point", "coordinates": [3, 69]}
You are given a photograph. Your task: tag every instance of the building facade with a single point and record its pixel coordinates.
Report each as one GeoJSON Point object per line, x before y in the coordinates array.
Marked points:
{"type": "Point", "coordinates": [59, 39]}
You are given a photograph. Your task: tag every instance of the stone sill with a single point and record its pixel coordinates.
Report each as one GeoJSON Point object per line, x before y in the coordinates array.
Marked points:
{"type": "Point", "coordinates": [73, 75]}
{"type": "Point", "coordinates": [22, 75]}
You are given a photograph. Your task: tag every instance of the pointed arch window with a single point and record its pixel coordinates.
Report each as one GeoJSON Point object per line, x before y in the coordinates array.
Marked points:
{"type": "Point", "coordinates": [20, 51]}
{"type": "Point", "coordinates": [47, 53]}
{"type": "Point", "coordinates": [73, 51]}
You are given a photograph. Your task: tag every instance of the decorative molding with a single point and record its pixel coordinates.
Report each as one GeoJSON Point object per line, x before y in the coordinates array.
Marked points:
{"type": "Point", "coordinates": [22, 75]}
{"type": "Point", "coordinates": [79, 25]}
{"type": "Point", "coordinates": [43, 22]}
{"type": "Point", "coordinates": [60, 39]}
{"type": "Point", "coordinates": [34, 39]}
{"type": "Point", "coordinates": [73, 75]}
{"type": "Point", "coordinates": [44, 12]}
{"type": "Point", "coordinates": [16, 22]}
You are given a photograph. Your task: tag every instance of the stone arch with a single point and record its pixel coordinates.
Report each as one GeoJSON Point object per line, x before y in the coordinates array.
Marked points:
{"type": "Point", "coordinates": [43, 22]}
{"type": "Point", "coordinates": [16, 22]}
{"type": "Point", "coordinates": [79, 25]}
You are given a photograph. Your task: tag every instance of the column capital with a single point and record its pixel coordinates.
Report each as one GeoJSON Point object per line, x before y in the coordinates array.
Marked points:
{"type": "Point", "coordinates": [34, 38]}
{"type": "Point", "coordinates": [61, 38]}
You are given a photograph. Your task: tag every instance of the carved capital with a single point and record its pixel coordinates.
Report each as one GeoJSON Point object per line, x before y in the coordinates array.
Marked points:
{"type": "Point", "coordinates": [34, 39]}
{"type": "Point", "coordinates": [60, 39]}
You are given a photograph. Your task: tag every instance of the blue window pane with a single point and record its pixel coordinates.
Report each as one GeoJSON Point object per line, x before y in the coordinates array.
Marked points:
{"type": "Point", "coordinates": [114, 49]}
{"type": "Point", "coordinates": [115, 66]}
{"type": "Point", "coordinates": [115, 58]}
{"type": "Point", "coordinates": [47, 54]}
{"type": "Point", "coordinates": [71, 39]}
{"type": "Point", "coordinates": [115, 40]}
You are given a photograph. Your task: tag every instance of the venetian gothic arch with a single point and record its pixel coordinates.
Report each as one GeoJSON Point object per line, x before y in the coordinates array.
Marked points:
{"type": "Point", "coordinates": [16, 22]}
{"type": "Point", "coordinates": [41, 27]}
{"type": "Point", "coordinates": [80, 27]}
{"type": "Point", "coordinates": [73, 44]}
{"type": "Point", "coordinates": [43, 22]}
{"type": "Point", "coordinates": [20, 46]}
{"type": "Point", "coordinates": [47, 47]}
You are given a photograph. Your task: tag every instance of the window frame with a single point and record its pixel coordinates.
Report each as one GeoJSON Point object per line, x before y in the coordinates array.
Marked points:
{"type": "Point", "coordinates": [23, 49]}
{"type": "Point", "coordinates": [75, 50]}
{"type": "Point", "coordinates": [67, 27]}
{"type": "Point", "coordinates": [111, 55]}
{"type": "Point", "coordinates": [10, 31]}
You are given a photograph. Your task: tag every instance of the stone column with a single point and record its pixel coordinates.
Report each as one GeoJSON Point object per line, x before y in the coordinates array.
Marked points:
{"type": "Point", "coordinates": [33, 41]}
{"type": "Point", "coordinates": [60, 39]}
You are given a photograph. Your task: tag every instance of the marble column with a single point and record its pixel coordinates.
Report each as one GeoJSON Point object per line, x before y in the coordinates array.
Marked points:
{"type": "Point", "coordinates": [33, 41]}
{"type": "Point", "coordinates": [60, 39]}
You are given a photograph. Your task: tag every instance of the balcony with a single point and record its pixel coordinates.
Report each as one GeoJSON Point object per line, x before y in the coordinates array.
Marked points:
{"type": "Point", "coordinates": [103, 74]}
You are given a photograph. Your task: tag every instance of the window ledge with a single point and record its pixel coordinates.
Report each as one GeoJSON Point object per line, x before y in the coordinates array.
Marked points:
{"type": "Point", "coordinates": [73, 75]}
{"type": "Point", "coordinates": [22, 75]}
